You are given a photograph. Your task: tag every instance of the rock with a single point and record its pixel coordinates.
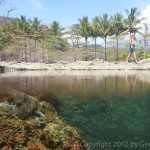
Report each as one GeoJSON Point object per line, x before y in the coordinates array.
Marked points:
{"type": "Point", "coordinates": [40, 129]}
{"type": "Point", "coordinates": [25, 104]}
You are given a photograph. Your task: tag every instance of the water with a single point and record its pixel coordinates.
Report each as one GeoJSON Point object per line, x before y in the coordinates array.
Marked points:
{"type": "Point", "coordinates": [110, 109]}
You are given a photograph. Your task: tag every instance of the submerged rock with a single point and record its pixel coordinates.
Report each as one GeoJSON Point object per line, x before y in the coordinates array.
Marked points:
{"type": "Point", "coordinates": [24, 104]}
{"type": "Point", "coordinates": [33, 124]}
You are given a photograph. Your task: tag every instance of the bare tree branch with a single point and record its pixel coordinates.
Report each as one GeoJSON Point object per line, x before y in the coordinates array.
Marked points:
{"type": "Point", "coordinates": [12, 8]}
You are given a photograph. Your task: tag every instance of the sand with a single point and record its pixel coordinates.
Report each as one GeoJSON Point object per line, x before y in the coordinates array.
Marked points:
{"type": "Point", "coordinates": [80, 65]}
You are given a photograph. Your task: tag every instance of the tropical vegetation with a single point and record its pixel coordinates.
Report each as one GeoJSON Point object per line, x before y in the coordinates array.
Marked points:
{"type": "Point", "coordinates": [30, 40]}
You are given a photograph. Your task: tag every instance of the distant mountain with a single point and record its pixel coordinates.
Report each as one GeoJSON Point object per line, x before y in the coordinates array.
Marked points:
{"type": "Point", "coordinates": [4, 20]}
{"type": "Point", "coordinates": [93, 46]}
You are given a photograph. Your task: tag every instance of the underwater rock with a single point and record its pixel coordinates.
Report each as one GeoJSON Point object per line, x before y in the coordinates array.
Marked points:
{"type": "Point", "coordinates": [34, 124]}
{"type": "Point", "coordinates": [24, 104]}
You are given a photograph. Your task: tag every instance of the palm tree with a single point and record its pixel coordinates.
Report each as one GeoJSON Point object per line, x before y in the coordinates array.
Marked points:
{"type": "Point", "coordinates": [145, 35]}
{"type": "Point", "coordinates": [57, 39]}
{"type": "Point", "coordinates": [23, 28]}
{"type": "Point", "coordinates": [83, 29]}
{"type": "Point", "coordinates": [73, 36]}
{"type": "Point", "coordinates": [117, 29]}
{"type": "Point", "coordinates": [45, 41]}
{"type": "Point", "coordinates": [56, 29]}
{"type": "Point", "coordinates": [133, 19]}
{"type": "Point", "coordinates": [95, 30]}
{"type": "Point", "coordinates": [36, 32]}
{"type": "Point", "coordinates": [56, 33]}
{"type": "Point", "coordinates": [146, 27]}
{"type": "Point", "coordinates": [12, 34]}
{"type": "Point", "coordinates": [105, 29]}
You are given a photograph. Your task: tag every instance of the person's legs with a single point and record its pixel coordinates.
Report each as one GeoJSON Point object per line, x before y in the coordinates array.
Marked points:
{"type": "Point", "coordinates": [134, 55]}
{"type": "Point", "coordinates": [132, 49]}
{"type": "Point", "coordinates": [128, 57]}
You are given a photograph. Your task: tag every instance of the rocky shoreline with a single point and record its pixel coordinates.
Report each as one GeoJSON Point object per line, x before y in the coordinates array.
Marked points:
{"type": "Point", "coordinates": [29, 123]}
{"type": "Point", "coordinates": [79, 65]}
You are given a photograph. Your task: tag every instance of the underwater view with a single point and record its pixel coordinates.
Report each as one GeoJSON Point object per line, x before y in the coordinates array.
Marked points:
{"type": "Point", "coordinates": [109, 109]}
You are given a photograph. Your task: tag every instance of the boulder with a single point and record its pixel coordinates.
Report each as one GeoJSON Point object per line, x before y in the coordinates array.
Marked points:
{"type": "Point", "coordinates": [24, 105]}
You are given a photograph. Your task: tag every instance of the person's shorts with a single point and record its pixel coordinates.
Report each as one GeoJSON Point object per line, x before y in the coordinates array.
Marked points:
{"type": "Point", "coordinates": [132, 48]}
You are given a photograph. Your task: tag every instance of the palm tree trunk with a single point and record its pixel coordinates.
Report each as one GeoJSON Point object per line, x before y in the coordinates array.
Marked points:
{"type": "Point", "coordinates": [34, 50]}
{"type": "Point", "coordinates": [95, 47]}
{"type": "Point", "coordinates": [17, 58]}
{"type": "Point", "coordinates": [25, 53]}
{"type": "Point", "coordinates": [86, 47]}
{"type": "Point", "coordinates": [117, 51]}
{"type": "Point", "coordinates": [29, 42]}
{"type": "Point", "coordinates": [145, 42]}
{"type": "Point", "coordinates": [105, 50]}
{"type": "Point", "coordinates": [78, 42]}
{"type": "Point", "coordinates": [72, 37]}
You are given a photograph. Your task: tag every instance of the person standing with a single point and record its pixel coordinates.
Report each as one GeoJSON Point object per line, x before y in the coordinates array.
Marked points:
{"type": "Point", "coordinates": [132, 46]}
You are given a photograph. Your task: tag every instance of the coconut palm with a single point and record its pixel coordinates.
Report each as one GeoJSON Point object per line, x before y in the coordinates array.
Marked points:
{"type": "Point", "coordinates": [83, 29]}
{"type": "Point", "coordinates": [56, 34]}
{"type": "Point", "coordinates": [95, 30]}
{"type": "Point", "coordinates": [117, 29]}
{"type": "Point", "coordinates": [5, 37]}
{"type": "Point", "coordinates": [73, 36]}
{"type": "Point", "coordinates": [105, 29]}
{"type": "Point", "coordinates": [56, 29]}
{"type": "Point", "coordinates": [24, 28]}
{"type": "Point", "coordinates": [36, 33]}
{"type": "Point", "coordinates": [133, 19]}
{"type": "Point", "coordinates": [146, 28]}
{"type": "Point", "coordinates": [145, 36]}
{"type": "Point", "coordinates": [57, 39]}
{"type": "Point", "coordinates": [12, 34]}
{"type": "Point", "coordinates": [45, 41]}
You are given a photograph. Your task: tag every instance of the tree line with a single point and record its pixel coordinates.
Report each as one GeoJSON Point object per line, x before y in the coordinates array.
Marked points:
{"type": "Point", "coordinates": [30, 40]}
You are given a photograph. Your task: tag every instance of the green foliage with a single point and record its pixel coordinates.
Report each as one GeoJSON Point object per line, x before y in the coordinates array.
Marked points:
{"type": "Point", "coordinates": [132, 19]}
{"type": "Point", "coordinates": [83, 28]}
{"type": "Point", "coordinates": [95, 27]}
{"type": "Point", "coordinates": [33, 37]}
{"type": "Point", "coordinates": [123, 55]}
{"type": "Point", "coordinates": [56, 29]}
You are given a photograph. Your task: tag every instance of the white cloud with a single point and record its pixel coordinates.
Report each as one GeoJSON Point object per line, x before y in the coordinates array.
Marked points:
{"type": "Point", "coordinates": [146, 14]}
{"type": "Point", "coordinates": [37, 4]}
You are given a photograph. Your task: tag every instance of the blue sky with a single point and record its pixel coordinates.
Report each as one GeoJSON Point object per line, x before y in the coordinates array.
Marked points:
{"type": "Point", "coordinates": [67, 12]}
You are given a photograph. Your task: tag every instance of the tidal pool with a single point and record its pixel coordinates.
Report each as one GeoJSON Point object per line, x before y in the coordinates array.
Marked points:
{"type": "Point", "coordinates": [110, 109]}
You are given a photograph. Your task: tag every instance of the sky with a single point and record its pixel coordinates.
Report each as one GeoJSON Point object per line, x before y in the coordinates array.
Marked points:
{"type": "Point", "coordinates": [67, 12]}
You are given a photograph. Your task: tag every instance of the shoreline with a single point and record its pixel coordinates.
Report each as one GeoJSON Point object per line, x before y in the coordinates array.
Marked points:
{"type": "Point", "coordinates": [78, 65]}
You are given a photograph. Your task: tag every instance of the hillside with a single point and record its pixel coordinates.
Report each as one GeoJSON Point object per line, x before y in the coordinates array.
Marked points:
{"type": "Point", "coordinates": [4, 20]}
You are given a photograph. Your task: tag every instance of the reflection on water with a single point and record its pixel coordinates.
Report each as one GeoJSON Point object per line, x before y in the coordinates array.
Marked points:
{"type": "Point", "coordinates": [80, 85]}
{"type": "Point", "coordinates": [105, 106]}
{"type": "Point", "coordinates": [131, 82]}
